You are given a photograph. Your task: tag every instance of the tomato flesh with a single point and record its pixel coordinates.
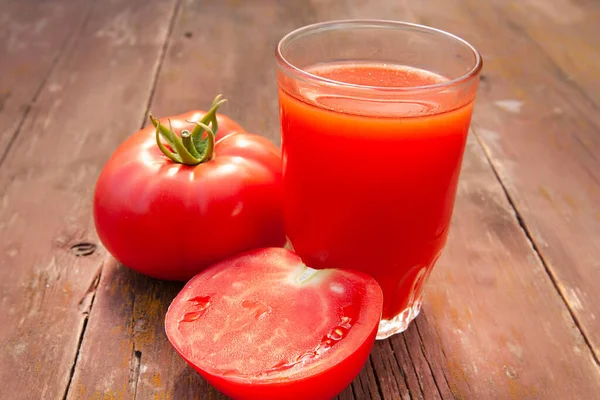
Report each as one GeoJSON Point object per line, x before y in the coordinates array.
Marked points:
{"type": "Point", "coordinates": [265, 326]}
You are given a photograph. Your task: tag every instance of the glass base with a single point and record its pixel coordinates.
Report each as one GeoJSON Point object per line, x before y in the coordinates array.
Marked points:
{"type": "Point", "coordinates": [389, 327]}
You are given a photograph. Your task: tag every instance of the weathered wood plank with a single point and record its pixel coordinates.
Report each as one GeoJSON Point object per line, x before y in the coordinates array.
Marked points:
{"type": "Point", "coordinates": [410, 355]}
{"type": "Point", "coordinates": [543, 138]}
{"type": "Point", "coordinates": [568, 33]}
{"type": "Point", "coordinates": [389, 373]}
{"type": "Point", "coordinates": [33, 37]}
{"type": "Point", "coordinates": [47, 280]}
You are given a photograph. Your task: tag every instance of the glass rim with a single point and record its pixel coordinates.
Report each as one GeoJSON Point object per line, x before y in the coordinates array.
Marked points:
{"type": "Point", "coordinates": [374, 23]}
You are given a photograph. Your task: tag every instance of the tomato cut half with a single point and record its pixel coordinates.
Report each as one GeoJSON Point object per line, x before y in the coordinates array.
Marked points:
{"type": "Point", "coordinates": [265, 326]}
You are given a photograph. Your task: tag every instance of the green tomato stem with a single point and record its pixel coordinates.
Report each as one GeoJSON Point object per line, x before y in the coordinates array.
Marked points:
{"type": "Point", "coordinates": [190, 148]}
{"type": "Point", "coordinates": [166, 152]}
{"type": "Point", "coordinates": [210, 142]}
{"type": "Point", "coordinates": [164, 131]}
{"type": "Point", "coordinates": [184, 154]}
{"type": "Point", "coordinates": [210, 116]}
{"type": "Point", "coordinates": [188, 143]}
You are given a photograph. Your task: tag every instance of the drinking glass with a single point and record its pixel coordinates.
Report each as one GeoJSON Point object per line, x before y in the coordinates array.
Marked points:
{"type": "Point", "coordinates": [374, 120]}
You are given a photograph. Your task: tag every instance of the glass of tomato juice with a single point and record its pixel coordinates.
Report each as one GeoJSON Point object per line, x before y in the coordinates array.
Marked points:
{"type": "Point", "coordinates": [374, 120]}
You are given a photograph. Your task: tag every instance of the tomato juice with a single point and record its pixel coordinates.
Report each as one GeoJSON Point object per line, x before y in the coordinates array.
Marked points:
{"type": "Point", "coordinates": [369, 183]}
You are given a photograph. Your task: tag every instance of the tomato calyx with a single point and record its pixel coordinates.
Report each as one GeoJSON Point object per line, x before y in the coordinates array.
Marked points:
{"type": "Point", "coordinates": [190, 148]}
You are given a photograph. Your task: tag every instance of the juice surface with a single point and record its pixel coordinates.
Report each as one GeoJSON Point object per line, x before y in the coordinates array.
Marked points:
{"type": "Point", "coordinates": [370, 185]}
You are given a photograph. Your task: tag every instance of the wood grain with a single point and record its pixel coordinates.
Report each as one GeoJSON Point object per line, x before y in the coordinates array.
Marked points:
{"type": "Point", "coordinates": [47, 275]}
{"type": "Point", "coordinates": [33, 37]}
{"type": "Point", "coordinates": [567, 32]}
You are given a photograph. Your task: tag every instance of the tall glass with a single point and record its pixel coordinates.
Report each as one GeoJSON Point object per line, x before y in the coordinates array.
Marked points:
{"type": "Point", "coordinates": [374, 120]}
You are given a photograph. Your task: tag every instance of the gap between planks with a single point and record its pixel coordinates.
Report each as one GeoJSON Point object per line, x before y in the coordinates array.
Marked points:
{"type": "Point", "coordinates": [376, 376]}
{"type": "Point", "coordinates": [137, 357]}
{"type": "Point", "coordinates": [137, 354]}
{"type": "Point", "coordinates": [412, 364]}
{"type": "Point", "coordinates": [538, 254]}
{"type": "Point", "coordinates": [91, 293]}
{"type": "Point", "coordinates": [160, 60]}
{"type": "Point", "coordinates": [69, 42]}
{"type": "Point", "coordinates": [422, 348]}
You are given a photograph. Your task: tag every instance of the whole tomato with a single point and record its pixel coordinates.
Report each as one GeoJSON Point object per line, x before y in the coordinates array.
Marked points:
{"type": "Point", "coordinates": [169, 204]}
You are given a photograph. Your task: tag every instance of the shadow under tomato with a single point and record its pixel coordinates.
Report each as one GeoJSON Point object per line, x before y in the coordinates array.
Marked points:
{"type": "Point", "coordinates": [140, 303]}
{"type": "Point", "coordinates": [190, 385]}
{"type": "Point", "coordinates": [127, 295]}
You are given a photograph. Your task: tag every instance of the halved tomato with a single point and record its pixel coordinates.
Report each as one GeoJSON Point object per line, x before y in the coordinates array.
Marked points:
{"type": "Point", "coordinates": [265, 326]}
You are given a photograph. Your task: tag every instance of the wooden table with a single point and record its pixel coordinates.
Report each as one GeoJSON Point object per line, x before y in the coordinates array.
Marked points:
{"type": "Point", "coordinates": [512, 310]}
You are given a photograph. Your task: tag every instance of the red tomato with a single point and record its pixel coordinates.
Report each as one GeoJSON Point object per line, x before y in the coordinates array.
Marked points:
{"type": "Point", "coordinates": [265, 326]}
{"type": "Point", "coordinates": [169, 220]}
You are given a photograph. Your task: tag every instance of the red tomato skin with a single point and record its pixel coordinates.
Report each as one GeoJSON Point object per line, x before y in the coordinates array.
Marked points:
{"type": "Point", "coordinates": [169, 221]}
{"type": "Point", "coordinates": [323, 386]}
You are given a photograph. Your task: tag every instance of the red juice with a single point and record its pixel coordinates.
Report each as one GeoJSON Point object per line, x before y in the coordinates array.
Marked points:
{"type": "Point", "coordinates": [370, 185]}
